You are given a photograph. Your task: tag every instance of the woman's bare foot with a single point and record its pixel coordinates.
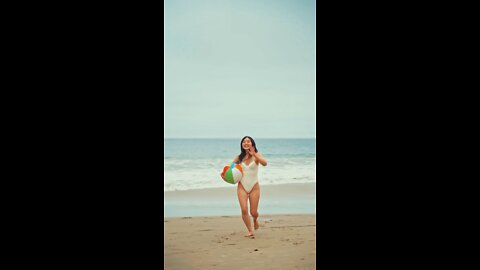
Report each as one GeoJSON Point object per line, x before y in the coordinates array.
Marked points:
{"type": "Point", "coordinates": [250, 234]}
{"type": "Point", "coordinates": [255, 224]}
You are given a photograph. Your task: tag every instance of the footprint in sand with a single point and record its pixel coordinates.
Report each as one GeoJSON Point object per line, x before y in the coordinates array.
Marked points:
{"type": "Point", "coordinates": [223, 236]}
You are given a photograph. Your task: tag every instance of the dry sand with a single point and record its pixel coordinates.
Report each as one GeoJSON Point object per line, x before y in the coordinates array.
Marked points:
{"type": "Point", "coordinates": [281, 242]}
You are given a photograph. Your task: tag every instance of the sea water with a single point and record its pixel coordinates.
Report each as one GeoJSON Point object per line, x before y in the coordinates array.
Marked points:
{"type": "Point", "coordinates": [197, 163]}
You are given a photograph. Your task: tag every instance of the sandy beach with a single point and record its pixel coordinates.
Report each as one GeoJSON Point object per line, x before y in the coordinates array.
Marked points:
{"type": "Point", "coordinates": [204, 229]}
{"type": "Point", "coordinates": [281, 242]}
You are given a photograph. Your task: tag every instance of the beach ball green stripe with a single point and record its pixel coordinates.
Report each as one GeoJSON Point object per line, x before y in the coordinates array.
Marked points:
{"type": "Point", "coordinates": [229, 176]}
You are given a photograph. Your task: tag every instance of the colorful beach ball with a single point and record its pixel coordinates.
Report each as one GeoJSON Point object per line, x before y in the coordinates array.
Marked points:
{"type": "Point", "coordinates": [233, 173]}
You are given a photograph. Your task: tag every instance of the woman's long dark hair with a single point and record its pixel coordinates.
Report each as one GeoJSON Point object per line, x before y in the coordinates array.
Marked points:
{"type": "Point", "coordinates": [243, 153]}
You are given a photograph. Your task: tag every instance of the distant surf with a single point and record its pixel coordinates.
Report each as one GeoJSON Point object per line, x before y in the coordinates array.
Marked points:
{"type": "Point", "coordinates": [197, 163]}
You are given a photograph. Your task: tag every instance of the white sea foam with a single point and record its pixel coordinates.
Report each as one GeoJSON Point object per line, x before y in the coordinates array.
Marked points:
{"type": "Point", "coordinates": [184, 174]}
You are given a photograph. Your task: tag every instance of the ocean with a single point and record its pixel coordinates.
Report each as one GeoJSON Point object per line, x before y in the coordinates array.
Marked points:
{"type": "Point", "coordinates": [197, 163]}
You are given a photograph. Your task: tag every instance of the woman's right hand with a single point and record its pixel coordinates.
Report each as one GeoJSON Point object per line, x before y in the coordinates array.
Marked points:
{"type": "Point", "coordinates": [223, 176]}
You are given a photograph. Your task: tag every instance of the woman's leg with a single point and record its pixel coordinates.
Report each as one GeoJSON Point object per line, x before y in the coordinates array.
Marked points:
{"type": "Point", "coordinates": [242, 199]}
{"type": "Point", "coordinates": [254, 198]}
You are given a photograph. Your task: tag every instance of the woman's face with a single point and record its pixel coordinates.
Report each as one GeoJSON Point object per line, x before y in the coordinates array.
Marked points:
{"type": "Point", "coordinates": [246, 144]}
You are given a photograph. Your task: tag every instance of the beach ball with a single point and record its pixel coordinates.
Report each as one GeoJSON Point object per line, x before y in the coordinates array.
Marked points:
{"type": "Point", "coordinates": [233, 173]}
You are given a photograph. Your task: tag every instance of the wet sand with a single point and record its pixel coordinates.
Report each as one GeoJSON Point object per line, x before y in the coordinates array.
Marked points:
{"type": "Point", "coordinates": [274, 200]}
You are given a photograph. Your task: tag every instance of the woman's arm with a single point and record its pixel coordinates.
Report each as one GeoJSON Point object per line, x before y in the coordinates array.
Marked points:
{"type": "Point", "coordinates": [259, 158]}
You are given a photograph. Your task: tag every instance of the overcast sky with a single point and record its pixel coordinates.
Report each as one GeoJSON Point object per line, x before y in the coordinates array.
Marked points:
{"type": "Point", "coordinates": [236, 68]}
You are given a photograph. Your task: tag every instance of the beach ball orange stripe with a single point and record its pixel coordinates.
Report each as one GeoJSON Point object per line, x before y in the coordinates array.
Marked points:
{"type": "Point", "coordinates": [239, 168]}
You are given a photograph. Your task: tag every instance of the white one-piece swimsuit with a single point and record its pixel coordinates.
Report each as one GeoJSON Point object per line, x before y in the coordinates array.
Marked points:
{"type": "Point", "coordinates": [250, 175]}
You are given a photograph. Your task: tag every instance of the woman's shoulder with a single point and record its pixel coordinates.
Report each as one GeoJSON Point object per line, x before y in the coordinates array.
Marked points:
{"type": "Point", "coordinates": [236, 159]}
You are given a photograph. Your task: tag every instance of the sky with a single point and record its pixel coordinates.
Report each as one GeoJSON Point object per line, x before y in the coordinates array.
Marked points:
{"type": "Point", "coordinates": [236, 68]}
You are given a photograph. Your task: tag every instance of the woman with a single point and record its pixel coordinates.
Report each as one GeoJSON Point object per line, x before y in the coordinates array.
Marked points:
{"type": "Point", "coordinates": [248, 188]}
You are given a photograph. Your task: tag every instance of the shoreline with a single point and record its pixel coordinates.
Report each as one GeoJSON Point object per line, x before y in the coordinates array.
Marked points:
{"type": "Point", "coordinates": [235, 186]}
{"type": "Point", "coordinates": [298, 198]}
